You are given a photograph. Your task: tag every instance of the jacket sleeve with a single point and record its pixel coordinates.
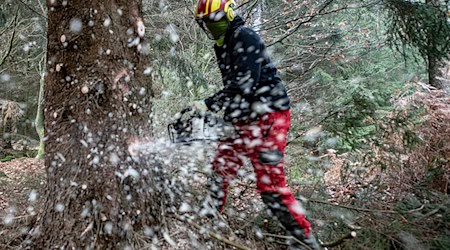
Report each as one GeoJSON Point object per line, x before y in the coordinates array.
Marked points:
{"type": "Point", "coordinates": [246, 62]}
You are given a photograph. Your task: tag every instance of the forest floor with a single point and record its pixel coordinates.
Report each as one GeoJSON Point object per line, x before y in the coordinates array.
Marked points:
{"type": "Point", "coordinates": [19, 178]}
{"type": "Point", "coordinates": [22, 181]}
{"type": "Point", "coordinates": [411, 219]}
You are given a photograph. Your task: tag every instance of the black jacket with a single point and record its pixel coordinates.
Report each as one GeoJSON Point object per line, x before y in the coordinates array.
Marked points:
{"type": "Point", "coordinates": [252, 85]}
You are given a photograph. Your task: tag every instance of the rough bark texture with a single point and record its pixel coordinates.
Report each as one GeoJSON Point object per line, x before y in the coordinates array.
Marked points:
{"type": "Point", "coordinates": [435, 72]}
{"type": "Point", "coordinates": [97, 102]}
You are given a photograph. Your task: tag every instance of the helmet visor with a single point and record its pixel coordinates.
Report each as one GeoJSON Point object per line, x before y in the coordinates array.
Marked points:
{"type": "Point", "coordinates": [214, 25]}
{"type": "Point", "coordinates": [202, 25]}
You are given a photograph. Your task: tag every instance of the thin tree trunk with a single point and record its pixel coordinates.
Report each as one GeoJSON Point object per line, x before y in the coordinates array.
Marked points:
{"type": "Point", "coordinates": [257, 21]}
{"type": "Point", "coordinates": [97, 101]}
{"type": "Point", "coordinates": [434, 63]}
{"type": "Point", "coordinates": [446, 76]}
{"type": "Point", "coordinates": [435, 74]}
{"type": "Point", "coordinates": [39, 121]}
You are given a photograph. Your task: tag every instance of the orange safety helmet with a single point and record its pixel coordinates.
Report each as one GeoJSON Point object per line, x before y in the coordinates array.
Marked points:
{"type": "Point", "coordinates": [215, 9]}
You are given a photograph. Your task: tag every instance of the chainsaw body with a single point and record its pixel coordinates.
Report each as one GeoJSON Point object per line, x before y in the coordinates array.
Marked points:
{"type": "Point", "coordinates": [192, 126]}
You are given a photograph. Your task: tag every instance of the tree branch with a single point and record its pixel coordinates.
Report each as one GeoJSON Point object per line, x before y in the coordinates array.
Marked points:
{"type": "Point", "coordinates": [246, 3]}
{"type": "Point", "coordinates": [319, 122]}
{"type": "Point", "coordinates": [6, 28]}
{"type": "Point", "coordinates": [297, 27]}
{"type": "Point", "coordinates": [288, 237]}
{"type": "Point", "coordinates": [217, 236]}
{"type": "Point", "coordinates": [8, 52]}
{"type": "Point", "coordinates": [31, 9]}
{"type": "Point", "coordinates": [346, 7]}
{"type": "Point", "coordinates": [350, 235]}
{"type": "Point", "coordinates": [367, 209]}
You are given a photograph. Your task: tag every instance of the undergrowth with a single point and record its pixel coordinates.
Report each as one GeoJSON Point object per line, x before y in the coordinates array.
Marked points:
{"type": "Point", "coordinates": [394, 191]}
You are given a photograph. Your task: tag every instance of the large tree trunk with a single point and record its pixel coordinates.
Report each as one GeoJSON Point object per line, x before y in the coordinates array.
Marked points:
{"type": "Point", "coordinates": [97, 100]}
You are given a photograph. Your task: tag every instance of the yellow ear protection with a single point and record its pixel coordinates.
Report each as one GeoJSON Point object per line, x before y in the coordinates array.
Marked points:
{"type": "Point", "coordinates": [230, 12]}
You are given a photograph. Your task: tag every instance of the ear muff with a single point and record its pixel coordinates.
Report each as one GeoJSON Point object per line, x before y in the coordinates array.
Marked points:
{"type": "Point", "coordinates": [230, 14]}
{"type": "Point", "coordinates": [230, 11]}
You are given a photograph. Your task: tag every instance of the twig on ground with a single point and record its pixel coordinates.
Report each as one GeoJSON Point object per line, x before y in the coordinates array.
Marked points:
{"type": "Point", "coordinates": [278, 236]}
{"type": "Point", "coordinates": [350, 235]}
{"type": "Point", "coordinates": [354, 208]}
{"type": "Point", "coordinates": [215, 235]}
{"type": "Point", "coordinates": [88, 228]}
{"type": "Point", "coordinates": [367, 209]}
{"type": "Point", "coordinates": [247, 223]}
{"type": "Point", "coordinates": [220, 237]}
{"type": "Point", "coordinates": [432, 212]}
{"type": "Point", "coordinates": [17, 218]}
{"type": "Point", "coordinates": [353, 227]}
{"type": "Point", "coordinates": [3, 246]}
{"type": "Point", "coordinates": [416, 210]}
{"type": "Point", "coordinates": [287, 238]}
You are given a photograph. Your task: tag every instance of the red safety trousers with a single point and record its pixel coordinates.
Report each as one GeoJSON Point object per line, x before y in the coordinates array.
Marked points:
{"type": "Point", "coordinates": [262, 141]}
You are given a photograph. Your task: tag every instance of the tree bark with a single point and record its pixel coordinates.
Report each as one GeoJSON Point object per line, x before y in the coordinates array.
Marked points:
{"type": "Point", "coordinates": [97, 101]}
{"type": "Point", "coordinates": [435, 64]}
{"type": "Point", "coordinates": [435, 74]}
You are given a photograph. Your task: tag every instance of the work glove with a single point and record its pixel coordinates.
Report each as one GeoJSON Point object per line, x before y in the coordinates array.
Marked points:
{"type": "Point", "coordinates": [200, 106]}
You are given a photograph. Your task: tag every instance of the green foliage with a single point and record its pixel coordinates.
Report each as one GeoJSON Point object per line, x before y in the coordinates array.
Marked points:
{"type": "Point", "coordinates": [443, 242]}
{"type": "Point", "coordinates": [185, 75]}
{"type": "Point", "coordinates": [359, 95]}
{"type": "Point", "coordinates": [7, 158]}
{"type": "Point", "coordinates": [431, 213]}
{"type": "Point", "coordinates": [304, 169]}
{"type": "Point", "coordinates": [424, 26]}
{"type": "Point", "coordinates": [347, 93]}
{"type": "Point", "coordinates": [179, 66]}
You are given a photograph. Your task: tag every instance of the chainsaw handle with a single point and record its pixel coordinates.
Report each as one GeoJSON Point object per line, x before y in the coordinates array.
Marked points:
{"type": "Point", "coordinates": [182, 112]}
{"type": "Point", "coordinates": [188, 109]}
{"type": "Point", "coordinates": [172, 126]}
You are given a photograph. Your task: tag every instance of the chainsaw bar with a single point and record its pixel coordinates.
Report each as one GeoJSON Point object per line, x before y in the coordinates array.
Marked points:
{"type": "Point", "coordinates": [193, 126]}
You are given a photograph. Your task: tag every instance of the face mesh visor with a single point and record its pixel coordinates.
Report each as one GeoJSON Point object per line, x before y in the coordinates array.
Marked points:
{"type": "Point", "coordinates": [214, 17]}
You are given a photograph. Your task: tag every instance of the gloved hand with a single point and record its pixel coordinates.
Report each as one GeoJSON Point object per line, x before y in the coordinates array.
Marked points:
{"type": "Point", "coordinates": [200, 106]}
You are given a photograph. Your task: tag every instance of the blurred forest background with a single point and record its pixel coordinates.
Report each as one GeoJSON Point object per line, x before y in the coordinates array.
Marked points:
{"type": "Point", "coordinates": [369, 147]}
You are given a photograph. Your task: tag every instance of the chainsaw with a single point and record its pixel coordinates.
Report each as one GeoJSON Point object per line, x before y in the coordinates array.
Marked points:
{"type": "Point", "coordinates": [195, 126]}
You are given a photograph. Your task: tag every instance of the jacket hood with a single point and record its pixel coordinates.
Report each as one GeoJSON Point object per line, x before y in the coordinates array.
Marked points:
{"type": "Point", "coordinates": [235, 24]}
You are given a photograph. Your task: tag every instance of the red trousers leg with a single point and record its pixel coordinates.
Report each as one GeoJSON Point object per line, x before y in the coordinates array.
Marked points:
{"type": "Point", "coordinates": [264, 142]}
{"type": "Point", "coordinates": [225, 166]}
{"type": "Point", "coordinates": [267, 160]}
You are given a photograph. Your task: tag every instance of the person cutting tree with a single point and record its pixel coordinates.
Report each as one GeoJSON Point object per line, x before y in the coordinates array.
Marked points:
{"type": "Point", "coordinates": [255, 101]}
